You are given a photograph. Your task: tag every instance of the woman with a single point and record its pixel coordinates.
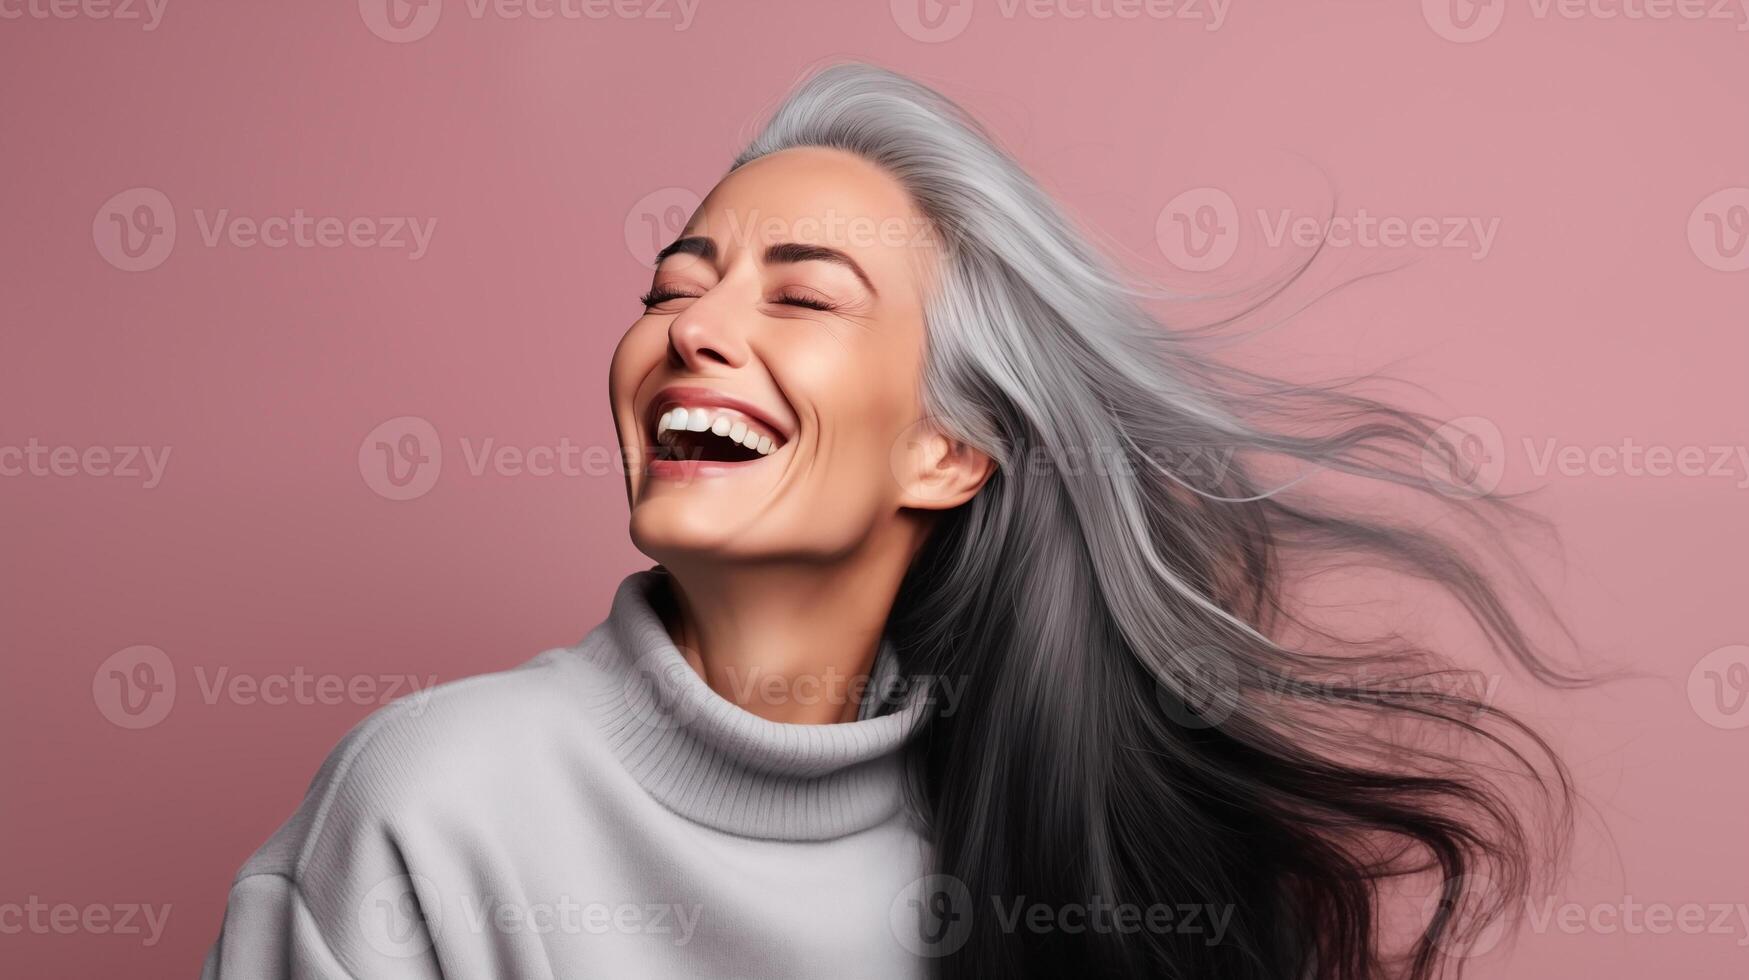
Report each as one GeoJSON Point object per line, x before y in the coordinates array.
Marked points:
{"type": "Point", "coordinates": [970, 650]}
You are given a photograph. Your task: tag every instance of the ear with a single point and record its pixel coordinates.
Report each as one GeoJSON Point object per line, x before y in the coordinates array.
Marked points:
{"type": "Point", "coordinates": [937, 472]}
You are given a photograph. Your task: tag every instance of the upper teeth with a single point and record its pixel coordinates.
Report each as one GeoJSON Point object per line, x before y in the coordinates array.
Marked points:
{"type": "Point", "coordinates": [725, 422]}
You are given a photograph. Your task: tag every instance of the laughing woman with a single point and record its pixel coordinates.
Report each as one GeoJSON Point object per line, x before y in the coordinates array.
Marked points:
{"type": "Point", "coordinates": [959, 658]}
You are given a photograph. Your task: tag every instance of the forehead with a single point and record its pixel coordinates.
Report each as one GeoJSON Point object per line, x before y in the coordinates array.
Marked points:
{"type": "Point", "coordinates": [815, 196]}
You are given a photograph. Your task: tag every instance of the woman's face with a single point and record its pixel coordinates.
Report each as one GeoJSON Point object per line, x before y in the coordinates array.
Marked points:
{"type": "Point", "coordinates": [768, 399]}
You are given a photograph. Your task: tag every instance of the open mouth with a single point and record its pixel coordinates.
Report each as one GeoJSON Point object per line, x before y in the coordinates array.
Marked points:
{"type": "Point", "coordinates": [712, 434]}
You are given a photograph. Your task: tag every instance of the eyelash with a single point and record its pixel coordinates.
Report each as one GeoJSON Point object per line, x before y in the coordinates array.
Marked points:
{"type": "Point", "coordinates": [661, 295]}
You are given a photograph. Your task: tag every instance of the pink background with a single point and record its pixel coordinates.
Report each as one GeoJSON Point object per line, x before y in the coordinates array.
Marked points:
{"type": "Point", "coordinates": [1604, 311]}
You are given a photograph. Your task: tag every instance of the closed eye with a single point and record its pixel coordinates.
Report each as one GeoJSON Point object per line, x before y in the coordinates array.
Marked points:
{"type": "Point", "coordinates": [662, 294]}
{"type": "Point", "coordinates": [805, 302]}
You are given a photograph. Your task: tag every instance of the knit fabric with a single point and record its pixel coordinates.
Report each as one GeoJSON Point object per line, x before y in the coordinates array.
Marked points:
{"type": "Point", "coordinates": [598, 811]}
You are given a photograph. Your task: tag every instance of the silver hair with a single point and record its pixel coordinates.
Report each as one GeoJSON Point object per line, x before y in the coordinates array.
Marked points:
{"type": "Point", "coordinates": [1149, 716]}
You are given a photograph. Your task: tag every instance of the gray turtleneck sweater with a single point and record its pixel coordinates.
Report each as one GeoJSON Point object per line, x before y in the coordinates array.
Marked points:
{"type": "Point", "coordinates": [597, 812]}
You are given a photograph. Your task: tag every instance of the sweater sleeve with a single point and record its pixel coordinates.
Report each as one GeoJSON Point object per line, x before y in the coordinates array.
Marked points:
{"type": "Point", "coordinates": [270, 934]}
{"type": "Point", "coordinates": [330, 895]}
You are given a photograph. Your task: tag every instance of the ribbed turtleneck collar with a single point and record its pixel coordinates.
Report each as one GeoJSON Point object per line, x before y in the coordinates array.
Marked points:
{"type": "Point", "coordinates": [720, 765]}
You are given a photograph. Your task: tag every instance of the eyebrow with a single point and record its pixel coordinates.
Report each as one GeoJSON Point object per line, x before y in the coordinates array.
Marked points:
{"type": "Point", "coordinates": [781, 253]}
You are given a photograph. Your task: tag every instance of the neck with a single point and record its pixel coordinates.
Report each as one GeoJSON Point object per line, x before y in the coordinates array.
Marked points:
{"type": "Point", "coordinates": [789, 642]}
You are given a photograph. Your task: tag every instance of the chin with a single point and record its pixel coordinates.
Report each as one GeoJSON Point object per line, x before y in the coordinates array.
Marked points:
{"type": "Point", "coordinates": [666, 529]}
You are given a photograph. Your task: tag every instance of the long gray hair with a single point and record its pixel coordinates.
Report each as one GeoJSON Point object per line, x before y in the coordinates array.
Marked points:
{"type": "Point", "coordinates": [1148, 719]}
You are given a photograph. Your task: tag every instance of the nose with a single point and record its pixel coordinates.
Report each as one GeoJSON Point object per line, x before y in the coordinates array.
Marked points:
{"type": "Point", "coordinates": [705, 334]}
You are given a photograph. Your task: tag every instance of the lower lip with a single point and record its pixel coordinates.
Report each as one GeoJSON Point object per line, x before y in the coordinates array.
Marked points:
{"type": "Point", "coordinates": [692, 469]}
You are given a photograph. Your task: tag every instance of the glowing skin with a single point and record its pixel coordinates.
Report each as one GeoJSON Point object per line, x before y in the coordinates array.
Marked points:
{"type": "Point", "coordinates": [786, 564]}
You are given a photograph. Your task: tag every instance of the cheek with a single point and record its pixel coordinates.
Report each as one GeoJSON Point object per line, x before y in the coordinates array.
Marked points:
{"type": "Point", "coordinates": [639, 351]}
{"type": "Point", "coordinates": [866, 411]}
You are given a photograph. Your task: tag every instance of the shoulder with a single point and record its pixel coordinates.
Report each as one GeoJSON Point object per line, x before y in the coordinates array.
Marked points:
{"type": "Point", "coordinates": [435, 754]}
{"type": "Point", "coordinates": [412, 796]}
